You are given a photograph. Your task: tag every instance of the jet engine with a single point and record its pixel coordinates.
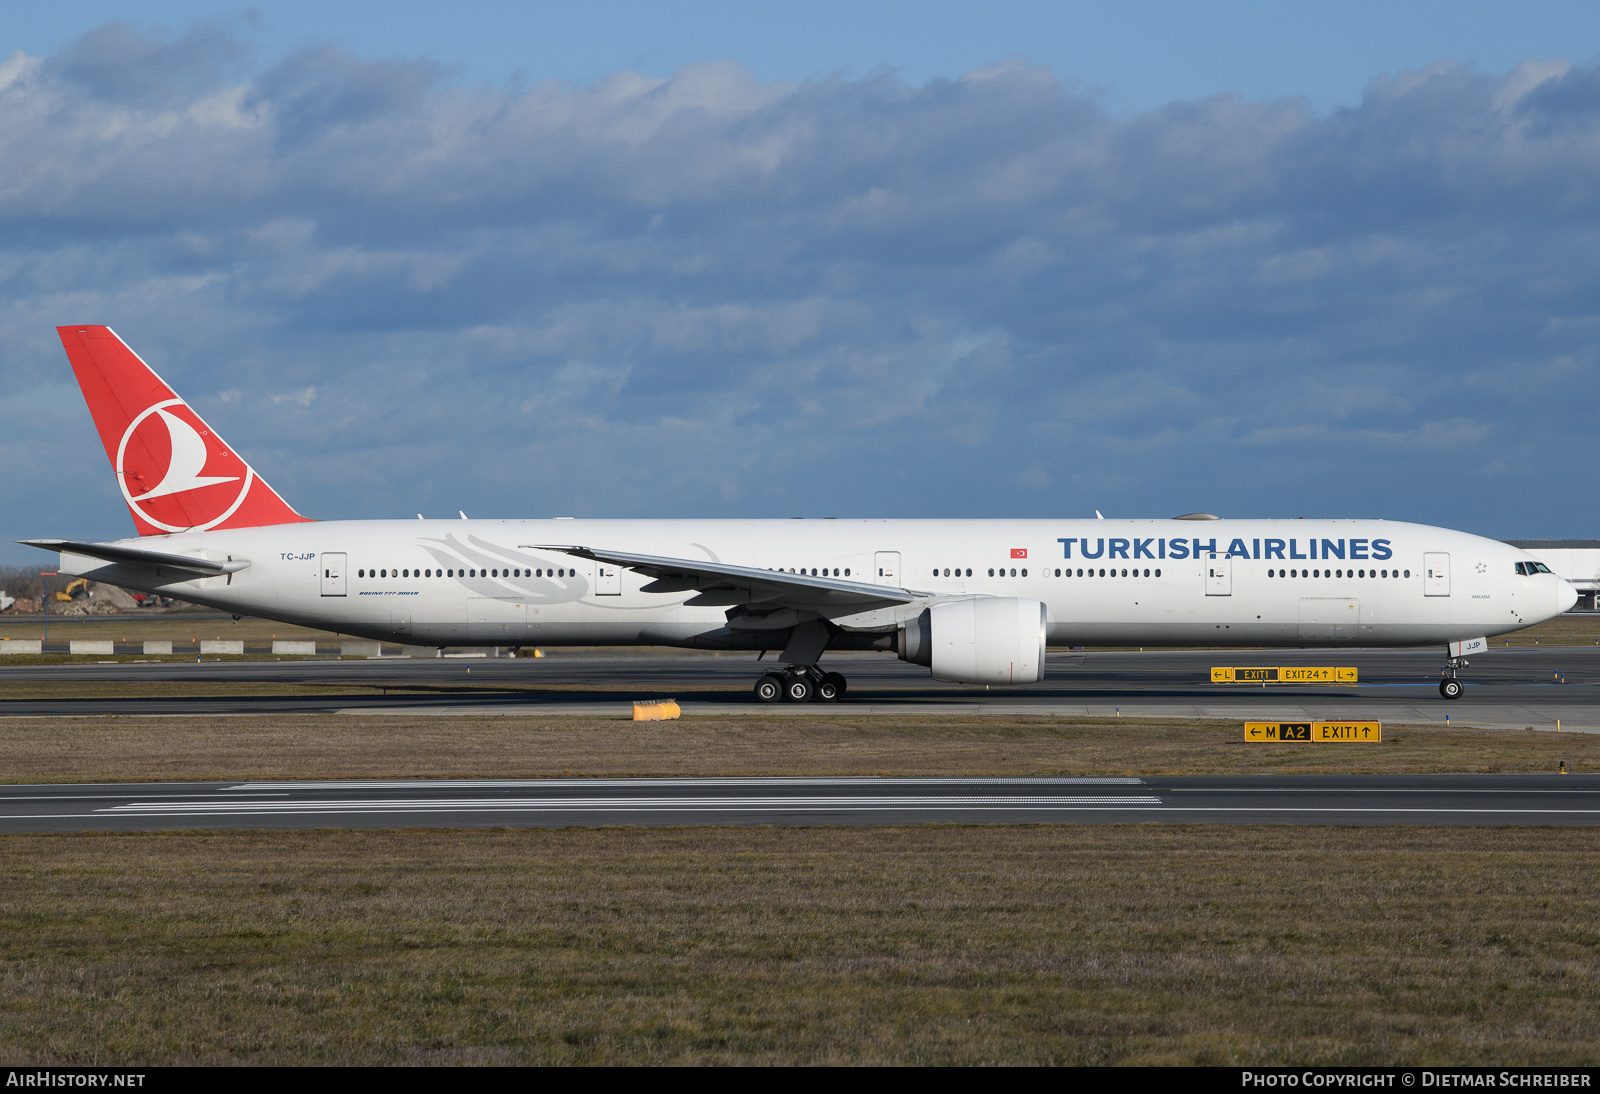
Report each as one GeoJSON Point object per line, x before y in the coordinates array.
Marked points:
{"type": "Point", "coordinates": [988, 640]}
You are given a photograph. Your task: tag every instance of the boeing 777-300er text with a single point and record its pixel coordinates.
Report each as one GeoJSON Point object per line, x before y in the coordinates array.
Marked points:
{"type": "Point", "coordinates": [976, 601]}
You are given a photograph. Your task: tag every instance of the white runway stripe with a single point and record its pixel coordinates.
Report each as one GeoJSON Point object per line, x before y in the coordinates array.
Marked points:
{"type": "Point", "coordinates": [754, 780]}
{"type": "Point", "coordinates": [495, 805]}
{"type": "Point", "coordinates": [1170, 811]}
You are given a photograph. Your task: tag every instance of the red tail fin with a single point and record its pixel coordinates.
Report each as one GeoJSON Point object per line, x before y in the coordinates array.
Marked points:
{"type": "Point", "coordinates": [175, 473]}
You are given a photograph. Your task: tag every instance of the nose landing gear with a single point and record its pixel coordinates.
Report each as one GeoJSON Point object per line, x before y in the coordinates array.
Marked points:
{"type": "Point", "coordinates": [1450, 687]}
{"type": "Point", "coordinates": [801, 684]}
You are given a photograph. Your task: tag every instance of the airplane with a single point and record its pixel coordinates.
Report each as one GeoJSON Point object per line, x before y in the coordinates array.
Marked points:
{"type": "Point", "coordinates": [974, 601]}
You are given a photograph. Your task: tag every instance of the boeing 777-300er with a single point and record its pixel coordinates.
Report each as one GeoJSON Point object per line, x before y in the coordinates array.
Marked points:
{"type": "Point", "coordinates": [976, 601]}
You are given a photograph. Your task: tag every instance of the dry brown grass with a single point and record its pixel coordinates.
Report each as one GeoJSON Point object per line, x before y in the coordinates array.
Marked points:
{"type": "Point", "coordinates": [1572, 630]}
{"type": "Point", "coordinates": [130, 633]}
{"type": "Point", "coordinates": [1094, 945]}
{"type": "Point", "coordinates": [121, 749]}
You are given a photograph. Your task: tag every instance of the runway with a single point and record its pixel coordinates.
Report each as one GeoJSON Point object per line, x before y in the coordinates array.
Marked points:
{"type": "Point", "coordinates": [559, 803]}
{"type": "Point", "coordinates": [1518, 686]}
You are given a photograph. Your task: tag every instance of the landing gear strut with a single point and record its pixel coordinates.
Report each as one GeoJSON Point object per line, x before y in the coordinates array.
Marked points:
{"type": "Point", "coordinates": [1450, 687]}
{"type": "Point", "coordinates": [801, 684]}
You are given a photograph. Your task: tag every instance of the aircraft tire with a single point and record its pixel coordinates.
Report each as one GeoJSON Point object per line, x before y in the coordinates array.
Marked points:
{"type": "Point", "coordinates": [769, 689]}
{"type": "Point", "coordinates": [830, 689]}
{"type": "Point", "coordinates": [799, 689]}
{"type": "Point", "coordinates": [1450, 688]}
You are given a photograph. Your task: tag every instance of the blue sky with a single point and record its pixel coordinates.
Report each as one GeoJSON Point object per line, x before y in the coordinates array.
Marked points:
{"type": "Point", "coordinates": [895, 260]}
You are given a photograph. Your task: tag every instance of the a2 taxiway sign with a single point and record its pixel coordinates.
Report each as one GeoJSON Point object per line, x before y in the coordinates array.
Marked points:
{"type": "Point", "coordinates": [1330, 732]}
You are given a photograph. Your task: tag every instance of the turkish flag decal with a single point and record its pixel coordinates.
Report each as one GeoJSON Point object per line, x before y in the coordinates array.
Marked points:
{"type": "Point", "coordinates": [1019, 552]}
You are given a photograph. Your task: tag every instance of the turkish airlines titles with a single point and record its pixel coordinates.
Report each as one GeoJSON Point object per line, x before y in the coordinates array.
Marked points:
{"type": "Point", "coordinates": [1155, 548]}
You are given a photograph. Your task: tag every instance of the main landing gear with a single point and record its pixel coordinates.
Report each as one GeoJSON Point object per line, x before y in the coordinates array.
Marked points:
{"type": "Point", "coordinates": [801, 684]}
{"type": "Point", "coordinates": [1450, 687]}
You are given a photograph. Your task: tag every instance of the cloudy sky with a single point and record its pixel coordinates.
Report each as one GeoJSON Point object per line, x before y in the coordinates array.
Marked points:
{"type": "Point", "coordinates": [1018, 261]}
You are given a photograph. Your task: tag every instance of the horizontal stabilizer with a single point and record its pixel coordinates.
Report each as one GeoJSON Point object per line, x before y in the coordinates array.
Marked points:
{"type": "Point", "coordinates": [138, 556]}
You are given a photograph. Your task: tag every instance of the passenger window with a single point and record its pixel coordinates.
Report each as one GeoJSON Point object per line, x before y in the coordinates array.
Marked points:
{"type": "Point", "coordinates": [1058, 573]}
{"type": "Point", "coordinates": [991, 571]}
{"type": "Point", "coordinates": [1408, 573]}
{"type": "Point", "coordinates": [1158, 573]}
{"type": "Point", "coordinates": [847, 571]}
{"type": "Point", "coordinates": [1102, 573]}
{"type": "Point", "coordinates": [1024, 571]}
{"type": "Point", "coordinates": [1013, 572]}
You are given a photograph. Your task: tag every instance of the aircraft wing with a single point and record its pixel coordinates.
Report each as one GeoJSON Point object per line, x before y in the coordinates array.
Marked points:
{"type": "Point", "coordinates": [139, 556]}
{"type": "Point", "coordinates": [719, 583]}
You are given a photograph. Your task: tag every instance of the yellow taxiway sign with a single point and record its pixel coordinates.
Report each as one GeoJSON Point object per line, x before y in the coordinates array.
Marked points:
{"type": "Point", "coordinates": [1292, 674]}
{"type": "Point", "coordinates": [1332, 732]}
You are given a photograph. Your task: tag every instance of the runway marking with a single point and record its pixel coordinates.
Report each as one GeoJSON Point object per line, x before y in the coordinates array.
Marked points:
{"type": "Point", "coordinates": [811, 807]}
{"type": "Point", "coordinates": [95, 797]}
{"type": "Point", "coordinates": [492, 805]}
{"type": "Point", "coordinates": [753, 780]}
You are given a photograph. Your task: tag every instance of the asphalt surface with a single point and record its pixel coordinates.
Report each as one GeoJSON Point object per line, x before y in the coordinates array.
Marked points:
{"type": "Point", "coordinates": [558, 803]}
{"type": "Point", "coordinates": [1524, 686]}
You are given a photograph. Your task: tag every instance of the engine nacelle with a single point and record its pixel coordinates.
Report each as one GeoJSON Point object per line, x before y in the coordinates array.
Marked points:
{"type": "Point", "coordinates": [989, 640]}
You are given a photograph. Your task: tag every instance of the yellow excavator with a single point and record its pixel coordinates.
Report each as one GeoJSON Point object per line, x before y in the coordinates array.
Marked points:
{"type": "Point", "coordinates": [77, 590]}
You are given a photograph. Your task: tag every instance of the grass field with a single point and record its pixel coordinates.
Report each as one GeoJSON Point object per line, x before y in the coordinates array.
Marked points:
{"type": "Point", "coordinates": [127, 749]}
{"type": "Point", "coordinates": [1115, 945]}
{"type": "Point", "coordinates": [934, 945]}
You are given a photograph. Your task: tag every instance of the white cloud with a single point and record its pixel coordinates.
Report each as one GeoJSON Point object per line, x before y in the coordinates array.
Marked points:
{"type": "Point", "coordinates": [712, 294]}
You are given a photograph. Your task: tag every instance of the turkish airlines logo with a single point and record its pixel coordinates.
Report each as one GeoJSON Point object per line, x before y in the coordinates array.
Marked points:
{"type": "Point", "coordinates": [176, 474]}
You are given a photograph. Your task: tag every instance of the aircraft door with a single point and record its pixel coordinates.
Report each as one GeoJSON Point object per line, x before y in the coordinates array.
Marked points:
{"type": "Point", "coordinates": [607, 580]}
{"type": "Point", "coordinates": [1219, 576]}
{"type": "Point", "coordinates": [887, 563]}
{"type": "Point", "coordinates": [1436, 574]}
{"type": "Point", "coordinates": [333, 575]}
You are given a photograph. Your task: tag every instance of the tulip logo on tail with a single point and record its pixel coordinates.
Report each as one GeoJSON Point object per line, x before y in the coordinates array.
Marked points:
{"type": "Point", "coordinates": [162, 463]}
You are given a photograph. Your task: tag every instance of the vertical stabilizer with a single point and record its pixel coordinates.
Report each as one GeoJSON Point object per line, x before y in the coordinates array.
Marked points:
{"type": "Point", "coordinates": [176, 474]}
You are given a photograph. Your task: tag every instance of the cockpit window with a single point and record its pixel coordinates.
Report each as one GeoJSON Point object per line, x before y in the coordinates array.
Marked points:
{"type": "Point", "coordinates": [1522, 568]}
{"type": "Point", "coordinates": [1542, 568]}
{"type": "Point", "coordinates": [1533, 568]}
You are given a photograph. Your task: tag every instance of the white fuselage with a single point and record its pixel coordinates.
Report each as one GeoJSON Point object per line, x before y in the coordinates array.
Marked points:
{"type": "Point", "coordinates": [1126, 582]}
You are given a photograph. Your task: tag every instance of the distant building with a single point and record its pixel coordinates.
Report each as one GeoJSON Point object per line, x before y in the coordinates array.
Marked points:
{"type": "Point", "coordinates": [1577, 560]}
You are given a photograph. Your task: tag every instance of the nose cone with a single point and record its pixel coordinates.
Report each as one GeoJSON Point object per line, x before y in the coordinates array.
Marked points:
{"type": "Point", "coordinates": [1566, 597]}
